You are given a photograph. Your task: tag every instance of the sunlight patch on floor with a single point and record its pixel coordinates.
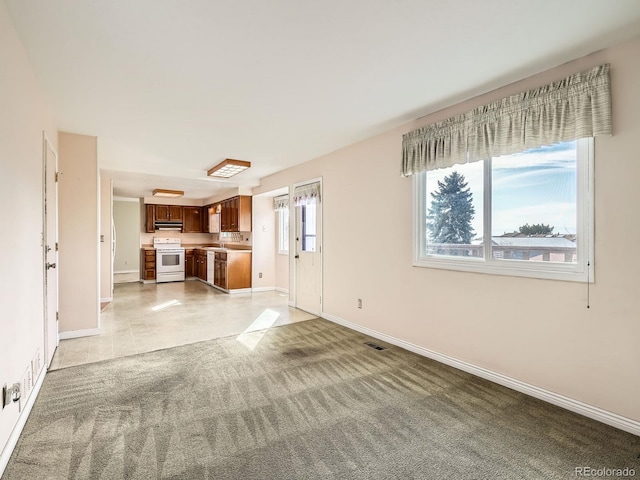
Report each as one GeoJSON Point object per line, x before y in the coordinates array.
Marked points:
{"type": "Point", "coordinates": [254, 332]}
{"type": "Point", "coordinates": [164, 305]}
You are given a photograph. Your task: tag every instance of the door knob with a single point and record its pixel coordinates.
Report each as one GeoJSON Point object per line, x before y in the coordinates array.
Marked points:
{"type": "Point", "coordinates": [297, 256]}
{"type": "Point", "coordinates": [51, 265]}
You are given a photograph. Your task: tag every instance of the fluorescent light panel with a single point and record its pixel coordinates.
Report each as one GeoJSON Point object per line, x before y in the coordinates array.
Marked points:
{"type": "Point", "coordinates": [161, 192]}
{"type": "Point", "coordinates": [228, 168]}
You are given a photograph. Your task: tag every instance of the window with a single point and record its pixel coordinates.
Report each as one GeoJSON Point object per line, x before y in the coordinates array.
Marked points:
{"type": "Point", "coordinates": [283, 231]}
{"type": "Point", "coordinates": [308, 227]}
{"type": "Point", "coordinates": [526, 214]}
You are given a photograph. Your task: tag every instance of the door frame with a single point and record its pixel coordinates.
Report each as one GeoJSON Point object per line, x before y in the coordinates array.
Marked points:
{"type": "Point", "coordinates": [46, 197]}
{"type": "Point", "coordinates": [293, 229]}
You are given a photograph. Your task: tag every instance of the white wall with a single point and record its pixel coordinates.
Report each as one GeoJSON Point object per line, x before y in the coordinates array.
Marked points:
{"type": "Point", "coordinates": [535, 331]}
{"type": "Point", "coordinates": [23, 117]}
{"type": "Point", "coordinates": [126, 218]}
{"type": "Point", "coordinates": [79, 253]}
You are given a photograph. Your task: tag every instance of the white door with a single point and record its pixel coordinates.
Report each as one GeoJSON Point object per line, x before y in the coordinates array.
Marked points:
{"type": "Point", "coordinates": [308, 258]}
{"type": "Point", "coordinates": [50, 254]}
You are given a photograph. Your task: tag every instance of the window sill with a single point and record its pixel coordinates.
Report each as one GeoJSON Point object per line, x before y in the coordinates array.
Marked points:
{"type": "Point", "coordinates": [555, 271]}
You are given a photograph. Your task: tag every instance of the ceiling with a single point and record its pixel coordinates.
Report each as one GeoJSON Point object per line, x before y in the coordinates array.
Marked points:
{"type": "Point", "coordinates": [171, 88]}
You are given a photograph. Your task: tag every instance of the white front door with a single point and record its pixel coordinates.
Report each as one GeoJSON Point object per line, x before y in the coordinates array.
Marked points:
{"type": "Point", "coordinates": [308, 258]}
{"type": "Point", "coordinates": [50, 254]}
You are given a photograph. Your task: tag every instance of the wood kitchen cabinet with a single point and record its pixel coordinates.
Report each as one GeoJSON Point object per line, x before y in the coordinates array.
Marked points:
{"type": "Point", "coordinates": [232, 270]}
{"type": "Point", "coordinates": [150, 218]}
{"type": "Point", "coordinates": [220, 270]}
{"type": "Point", "coordinates": [235, 214]}
{"type": "Point", "coordinates": [169, 213]}
{"type": "Point", "coordinates": [192, 222]}
{"type": "Point", "coordinates": [204, 219]}
{"type": "Point", "coordinates": [148, 264]}
{"type": "Point", "coordinates": [201, 264]}
{"type": "Point", "coordinates": [189, 263]}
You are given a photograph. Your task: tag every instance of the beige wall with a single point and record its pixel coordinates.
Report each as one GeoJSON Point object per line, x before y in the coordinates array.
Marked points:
{"type": "Point", "coordinates": [536, 331]}
{"type": "Point", "coordinates": [106, 265]}
{"type": "Point", "coordinates": [282, 261]}
{"type": "Point", "coordinates": [23, 117]}
{"type": "Point", "coordinates": [126, 218]}
{"type": "Point", "coordinates": [79, 234]}
{"type": "Point", "coordinates": [263, 256]}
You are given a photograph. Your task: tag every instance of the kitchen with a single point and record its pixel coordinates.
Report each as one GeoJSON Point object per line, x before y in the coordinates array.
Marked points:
{"type": "Point", "coordinates": [208, 240]}
{"type": "Point", "coordinates": [223, 262]}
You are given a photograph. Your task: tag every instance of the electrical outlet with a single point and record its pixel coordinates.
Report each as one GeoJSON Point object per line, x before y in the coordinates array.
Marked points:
{"type": "Point", "coordinates": [359, 303]}
{"type": "Point", "coordinates": [10, 394]}
{"type": "Point", "coordinates": [6, 396]}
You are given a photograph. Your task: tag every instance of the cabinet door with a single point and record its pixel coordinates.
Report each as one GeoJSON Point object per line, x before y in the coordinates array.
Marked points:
{"type": "Point", "coordinates": [234, 203]}
{"type": "Point", "coordinates": [224, 216]}
{"type": "Point", "coordinates": [150, 218]}
{"type": "Point", "coordinates": [192, 222]}
{"type": "Point", "coordinates": [189, 263]}
{"type": "Point", "coordinates": [204, 219]}
{"type": "Point", "coordinates": [162, 213]}
{"type": "Point", "coordinates": [202, 266]}
{"type": "Point", "coordinates": [175, 213]}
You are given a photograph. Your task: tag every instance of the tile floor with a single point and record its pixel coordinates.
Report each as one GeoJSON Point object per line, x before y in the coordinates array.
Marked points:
{"type": "Point", "coordinates": [149, 317]}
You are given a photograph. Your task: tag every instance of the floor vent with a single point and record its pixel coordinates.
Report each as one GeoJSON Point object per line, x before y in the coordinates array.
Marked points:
{"type": "Point", "coordinates": [373, 345]}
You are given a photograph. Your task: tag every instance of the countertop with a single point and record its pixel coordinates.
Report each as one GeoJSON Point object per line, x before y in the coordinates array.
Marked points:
{"type": "Point", "coordinates": [233, 248]}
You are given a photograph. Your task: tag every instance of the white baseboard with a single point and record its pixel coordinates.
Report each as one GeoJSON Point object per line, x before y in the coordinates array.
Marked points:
{"type": "Point", "coordinates": [89, 332]}
{"type": "Point", "coordinates": [263, 289]}
{"type": "Point", "coordinates": [126, 271]}
{"type": "Point", "coordinates": [22, 420]}
{"type": "Point", "coordinates": [106, 300]}
{"type": "Point", "coordinates": [282, 290]}
{"type": "Point", "coordinates": [596, 413]}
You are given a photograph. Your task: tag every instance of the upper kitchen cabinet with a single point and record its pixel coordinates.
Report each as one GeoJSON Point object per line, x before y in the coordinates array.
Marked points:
{"type": "Point", "coordinates": [235, 214]}
{"type": "Point", "coordinates": [192, 222]}
{"type": "Point", "coordinates": [204, 218]}
{"type": "Point", "coordinates": [150, 218]}
{"type": "Point", "coordinates": [169, 213]}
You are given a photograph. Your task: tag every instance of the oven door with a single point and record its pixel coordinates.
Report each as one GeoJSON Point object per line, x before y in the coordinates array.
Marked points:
{"type": "Point", "coordinates": [170, 265]}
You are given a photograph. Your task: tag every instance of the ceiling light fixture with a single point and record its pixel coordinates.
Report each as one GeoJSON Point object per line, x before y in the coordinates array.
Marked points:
{"type": "Point", "coordinates": [228, 168]}
{"type": "Point", "coordinates": [161, 192]}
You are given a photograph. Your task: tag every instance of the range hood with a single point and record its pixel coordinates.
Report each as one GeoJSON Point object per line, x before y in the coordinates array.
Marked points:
{"type": "Point", "coordinates": [176, 226]}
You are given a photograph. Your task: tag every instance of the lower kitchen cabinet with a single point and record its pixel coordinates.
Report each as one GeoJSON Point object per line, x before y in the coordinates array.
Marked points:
{"type": "Point", "coordinates": [189, 263]}
{"type": "Point", "coordinates": [232, 270]}
{"type": "Point", "coordinates": [200, 266]}
{"type": "Point", "coordinates": [148, 264]}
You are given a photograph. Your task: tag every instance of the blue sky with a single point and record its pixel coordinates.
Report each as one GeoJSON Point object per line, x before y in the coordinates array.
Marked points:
{"type": "Point", "coordinates": [538, 186]}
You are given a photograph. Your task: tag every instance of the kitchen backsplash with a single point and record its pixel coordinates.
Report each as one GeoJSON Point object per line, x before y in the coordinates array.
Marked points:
{"type": "Point", "coordinates": [241, 238]}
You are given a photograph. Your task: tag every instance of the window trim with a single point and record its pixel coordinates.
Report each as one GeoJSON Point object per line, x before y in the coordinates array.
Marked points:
{"type": "Point", "coordinates": [283, 214]}
{"type": "Point", "coordinates": [582, 271]}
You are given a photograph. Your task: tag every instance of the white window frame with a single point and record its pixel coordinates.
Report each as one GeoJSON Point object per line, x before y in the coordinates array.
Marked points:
{"type": "Point", "coordinates": [581, 271]}
{"type": "Point", "coordinates": [283, 236]}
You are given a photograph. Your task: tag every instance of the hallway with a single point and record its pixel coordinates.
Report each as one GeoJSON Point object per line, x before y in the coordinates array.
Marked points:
{"type": "Point", "coordinates": [146, 317]}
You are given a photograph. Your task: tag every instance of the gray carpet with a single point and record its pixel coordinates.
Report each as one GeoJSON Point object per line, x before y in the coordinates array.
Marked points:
{"type": "Point", "coordinates": [310, 401]}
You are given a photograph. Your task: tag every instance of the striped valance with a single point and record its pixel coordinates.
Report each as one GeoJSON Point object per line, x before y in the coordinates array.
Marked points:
{"type": "Point", "coordinates": [307, 194]}
{"type": "Point", "coordinates": [281, 202]}
{"type": "Point", "coordinates": [576, 107]}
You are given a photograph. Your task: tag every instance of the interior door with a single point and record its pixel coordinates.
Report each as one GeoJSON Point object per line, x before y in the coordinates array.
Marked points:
{"type": "Point", "coordinates": [50, 254]}
{"type": "Point", "coordinates": [308, 258]}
